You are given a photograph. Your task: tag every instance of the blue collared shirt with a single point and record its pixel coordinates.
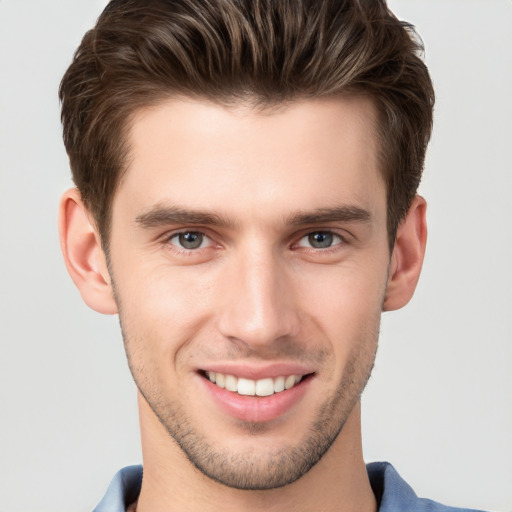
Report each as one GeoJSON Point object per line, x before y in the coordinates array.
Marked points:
{"type": "Point", "coordinates": [393, 494]}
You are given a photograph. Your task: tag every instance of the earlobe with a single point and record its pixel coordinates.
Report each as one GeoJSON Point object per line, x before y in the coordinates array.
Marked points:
{"type": "Point", "coordinates": [83, 255]}
{"type": "Point", "coordinates": [407, 257]}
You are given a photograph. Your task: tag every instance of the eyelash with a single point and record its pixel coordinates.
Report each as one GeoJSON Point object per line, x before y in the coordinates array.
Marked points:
{"type": "Point", "coordinates": [184, 250]}
{"type": "Point", "coordinates": [335, 244]}
{"type": "Point", "coordinates": [341, 240]}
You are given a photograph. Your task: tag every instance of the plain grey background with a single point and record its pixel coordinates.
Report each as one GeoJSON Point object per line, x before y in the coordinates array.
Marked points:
{"type": "Point", "coordinates": [439, 404]}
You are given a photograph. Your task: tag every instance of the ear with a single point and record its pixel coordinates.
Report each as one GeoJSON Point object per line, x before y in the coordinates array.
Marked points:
{"type": "Point", "coordinates": [407, 257]}
{"type": "Point", "coordinates": [81, 247]}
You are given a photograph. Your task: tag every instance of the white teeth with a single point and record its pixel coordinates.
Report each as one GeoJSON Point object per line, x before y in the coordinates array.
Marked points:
{"type": "Point", "coordinates": [250, 387]}
{"type": "Point", "coordinates": [264, 387]}
{"type": "Point", "coordinates": [231, 383]}
{"type": "Point", "coordinates": [220, 380]}
{"type": "Point", "coordinates": [246, 387]}
{"type": "Point", "coordinates": [289, 382]}
{"type": "Point", "coordinates": [279, 384]}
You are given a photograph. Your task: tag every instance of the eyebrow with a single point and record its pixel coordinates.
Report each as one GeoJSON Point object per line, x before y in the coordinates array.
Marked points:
{"type": "Point", "coordinates": [334, 214]}
{"type": "Point", "coordinates": [161, 215]}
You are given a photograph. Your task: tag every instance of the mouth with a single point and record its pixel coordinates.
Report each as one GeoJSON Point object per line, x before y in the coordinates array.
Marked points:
{"type": "Point", "coordinates": [250, 387]}
{"type": "Point", "coordinates": [270, 394]}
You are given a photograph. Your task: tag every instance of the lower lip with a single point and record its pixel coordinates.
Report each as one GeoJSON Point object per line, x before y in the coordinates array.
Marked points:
{"type": "Point", "coordinates": [256, 409]}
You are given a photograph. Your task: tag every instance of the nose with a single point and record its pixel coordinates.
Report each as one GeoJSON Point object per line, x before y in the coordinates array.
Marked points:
{"type": "Point", "coordinates": [258, 299]}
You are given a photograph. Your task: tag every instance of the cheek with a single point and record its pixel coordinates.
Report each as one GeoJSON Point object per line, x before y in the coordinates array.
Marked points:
{"type": "Point", "coordinates": [161, 310]}
{"type": "Point", "coordinates": [160, 294]}
{"type": "Point", "coordinates": [346, 304]}
{"type": "Point", "coordinates": [346, 293]}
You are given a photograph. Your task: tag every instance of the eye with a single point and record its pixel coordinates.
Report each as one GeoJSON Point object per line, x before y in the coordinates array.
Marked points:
{"type": "Point", "coordinates": [320, 240]}
{"type": "Point", "coordinates": [190, 240]}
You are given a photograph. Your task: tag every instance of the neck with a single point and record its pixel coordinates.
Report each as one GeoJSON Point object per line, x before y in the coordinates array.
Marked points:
{"type": "Point", "coordinates": [338, 482]}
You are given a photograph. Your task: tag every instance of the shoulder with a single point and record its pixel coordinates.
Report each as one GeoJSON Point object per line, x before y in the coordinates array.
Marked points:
{"type": "Point", "coordinates": [394, 494]}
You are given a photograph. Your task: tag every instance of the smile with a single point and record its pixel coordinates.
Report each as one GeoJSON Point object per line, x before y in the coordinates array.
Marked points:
{"type": "Point", "coordinates": [250, 387]}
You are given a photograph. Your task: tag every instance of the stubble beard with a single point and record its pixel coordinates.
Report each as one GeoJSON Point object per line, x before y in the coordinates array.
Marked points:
{"type": "Point", "coordinates": [251, 470]}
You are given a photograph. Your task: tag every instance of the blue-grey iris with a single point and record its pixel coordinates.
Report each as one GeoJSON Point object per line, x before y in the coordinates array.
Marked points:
{"type": "Point", "coordinates": [191, 240]}
{"type": "Point", "coordinates": [320, 240]}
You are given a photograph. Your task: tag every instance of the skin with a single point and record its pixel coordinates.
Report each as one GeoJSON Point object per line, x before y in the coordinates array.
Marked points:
{"type": "Point", "coordinates": [256, 188]}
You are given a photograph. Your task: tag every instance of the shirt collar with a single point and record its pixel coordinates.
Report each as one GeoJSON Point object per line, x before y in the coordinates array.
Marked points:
{"type": "Point", "coordinates": [393, 494]}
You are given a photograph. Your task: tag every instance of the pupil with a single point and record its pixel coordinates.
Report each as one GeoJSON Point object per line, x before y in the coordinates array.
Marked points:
{"type": "Point", "coordinates": [191, 240]}
{"type": "Point", "coordinates": [320, 240]}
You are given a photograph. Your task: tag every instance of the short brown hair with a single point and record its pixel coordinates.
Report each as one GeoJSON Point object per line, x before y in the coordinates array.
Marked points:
{"type": "Point", "coordinates": [267, 51]}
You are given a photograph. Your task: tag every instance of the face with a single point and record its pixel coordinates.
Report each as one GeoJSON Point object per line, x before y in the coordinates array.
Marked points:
{"type": "Point", "coordinates": [249, 256]}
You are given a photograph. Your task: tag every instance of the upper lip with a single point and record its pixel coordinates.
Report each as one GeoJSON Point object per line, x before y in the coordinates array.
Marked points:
{"type": "Point", "coordinates": [256, 372]}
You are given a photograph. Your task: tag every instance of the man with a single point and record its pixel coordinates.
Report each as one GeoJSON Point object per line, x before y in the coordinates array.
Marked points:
{"type": "Point", "coordinates": [246, 202]}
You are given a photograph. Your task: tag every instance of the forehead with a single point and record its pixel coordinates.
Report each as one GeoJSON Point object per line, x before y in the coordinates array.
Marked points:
{"type": "Point", "coordinates": [199, 154]}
